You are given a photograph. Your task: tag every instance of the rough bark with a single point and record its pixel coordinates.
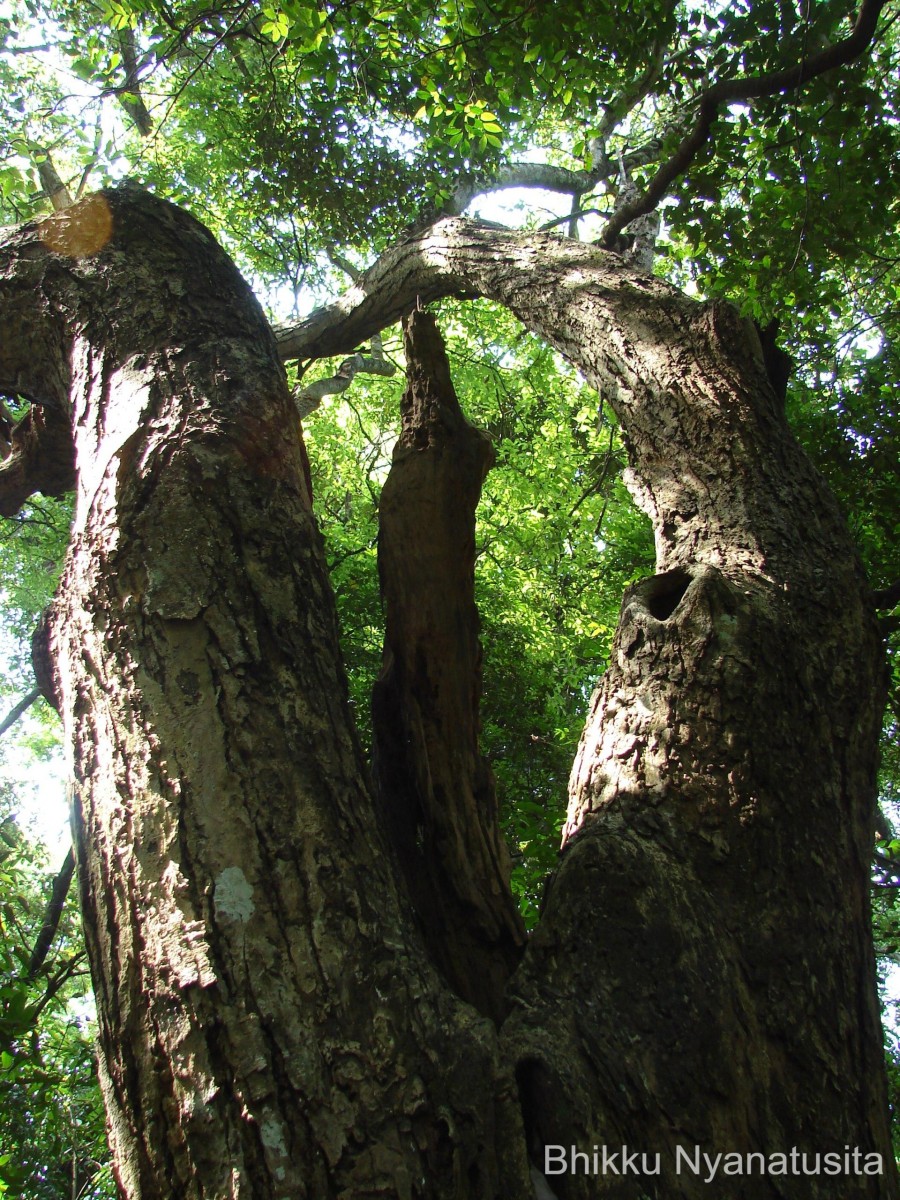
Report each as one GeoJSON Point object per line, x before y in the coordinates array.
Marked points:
{"type": "Point", "coordinates": [436, 789]}
{"type": "Point", "coordinates": [270, 1025]}
{"type": "Point", "coordinates": [702, 975]}
{"type": "Point", "coordinates": [39, 459]}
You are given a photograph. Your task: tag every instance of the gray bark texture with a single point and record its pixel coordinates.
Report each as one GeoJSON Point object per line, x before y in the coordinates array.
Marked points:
{"type": "Point", "coordinates": [703, 971]}
{"type": "Point", "coordinates": [272, 1022]}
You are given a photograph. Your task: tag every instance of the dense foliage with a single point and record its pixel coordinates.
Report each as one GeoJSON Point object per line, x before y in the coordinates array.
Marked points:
{"type": "Point", "coordinates": [308, 133]}
{"type": "Point", "coordinates": [52, 1135]}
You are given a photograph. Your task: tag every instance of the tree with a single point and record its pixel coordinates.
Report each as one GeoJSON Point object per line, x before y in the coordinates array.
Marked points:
{"type": "Point", "coordinates": [308, 984]}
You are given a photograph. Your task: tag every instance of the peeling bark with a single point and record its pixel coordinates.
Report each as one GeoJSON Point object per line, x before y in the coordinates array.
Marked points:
{"type": "Point", "coordinates": [436, 789]}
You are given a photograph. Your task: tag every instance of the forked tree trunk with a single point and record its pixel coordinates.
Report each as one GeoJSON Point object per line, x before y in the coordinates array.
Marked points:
{"type": "Point", "coordinates": [703, 972]}
{"type": "Point", "coordinates": [271, 1025]}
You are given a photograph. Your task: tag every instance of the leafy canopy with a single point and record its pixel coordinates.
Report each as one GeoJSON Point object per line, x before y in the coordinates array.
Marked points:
{"type": "Point", "coordinates": [52, 1130]}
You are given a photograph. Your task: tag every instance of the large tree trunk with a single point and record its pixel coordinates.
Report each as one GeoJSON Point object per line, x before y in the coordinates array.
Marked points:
{"type": "Point", "coordinates": [703, 973]}
{"type": "Point", "coordinates": [271, 1023]}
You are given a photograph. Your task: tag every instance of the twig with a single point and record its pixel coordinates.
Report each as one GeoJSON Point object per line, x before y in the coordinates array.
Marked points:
{"type": "Point", "coordinates": [576, 215]}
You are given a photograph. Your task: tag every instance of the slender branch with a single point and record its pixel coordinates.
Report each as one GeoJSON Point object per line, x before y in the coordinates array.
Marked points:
{"type": "Point", "coordinates": [343, 264]}
{"type": "Point", "coordinates": [54, 188]}
{"type": "Point", "coordinates": [219, 39]}
{"type": "Point", "coordinates": [576, 215]}
{"type": "Point", "coordinates": [730, 91]}
{"type": "Point", "coordinates": [69, 970]}
{"type": "Point", "coordinates": [338, 559]}
{"type": "Point", "coordinates": [86, 173]}
{"type": "Point", "coordinates": [52, 916]}
{"type": "Point", "coordinates": [42, 48]}
{"type": "Point", "coordinates": [130, 93]}
{"type": "Point", "coordinates": [620, 106]}
{"type": "Point", "coordinates": [597, 484]}
{"type": "Point", "coordinates": [309, 398]}
{"type": "Point", "coordinates": [14, 713]}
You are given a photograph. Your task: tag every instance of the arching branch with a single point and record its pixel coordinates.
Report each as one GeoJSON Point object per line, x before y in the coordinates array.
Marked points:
{"type": "Point", "coordinates": [527, 175]}
{"type": "Point", "coordinates": [562, 180]}
{"type": "Point", "coordinates": [455, 257]}
{"type": "Point", "coordinates": [730, 91]}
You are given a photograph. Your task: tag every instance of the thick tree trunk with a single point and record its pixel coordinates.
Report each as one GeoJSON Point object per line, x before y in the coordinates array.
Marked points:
{"type": "Point", "coordinates": [436, 789]}
{"type": "Point", "coordinates": [271, 1025]}
{"type": "Point", "coordinates": [269, 1022]}
{"type": "Point", "coordinates": [723, 798]}
{"type": "Point", "coordinates": [703, 973]}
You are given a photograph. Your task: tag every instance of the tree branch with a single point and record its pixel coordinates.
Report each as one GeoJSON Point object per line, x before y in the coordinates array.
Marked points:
{"type": "Point", "coordinates": [309, 398]}
{"type": "Point", "coordinates": [730, 91]}
{"type": "Point", "coordinates": [343, 264]}
{"type": "Point", "coordinates": [52, 916]}
{"type": "Point", "coordinates": [576, 215]}
{"type": "Point", "coordinates": [620, 106]}
{"type": "Point", "coordinates": [14, 713]}
{"type": "Point", "coordinates": [456, 256]}
{"type": "Point", "coordinates": [67, 971]}
{"type": "Point", "coordinates": [54, 188]}
{"type": "Point", "coordinates": [41, 459]}
{"type": "Point", "coordinates": [565, 291]}
{"type": "Point", "coordinates": [560, 179]}
{"type": "Point", "coordinates": [130, 93]}
{"type": "Point", "coordinates": [525, 175]}
{"type": "Point", "coordinates": [435, 791]}
{"type": "Point", "coordinates": [546, 176]}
